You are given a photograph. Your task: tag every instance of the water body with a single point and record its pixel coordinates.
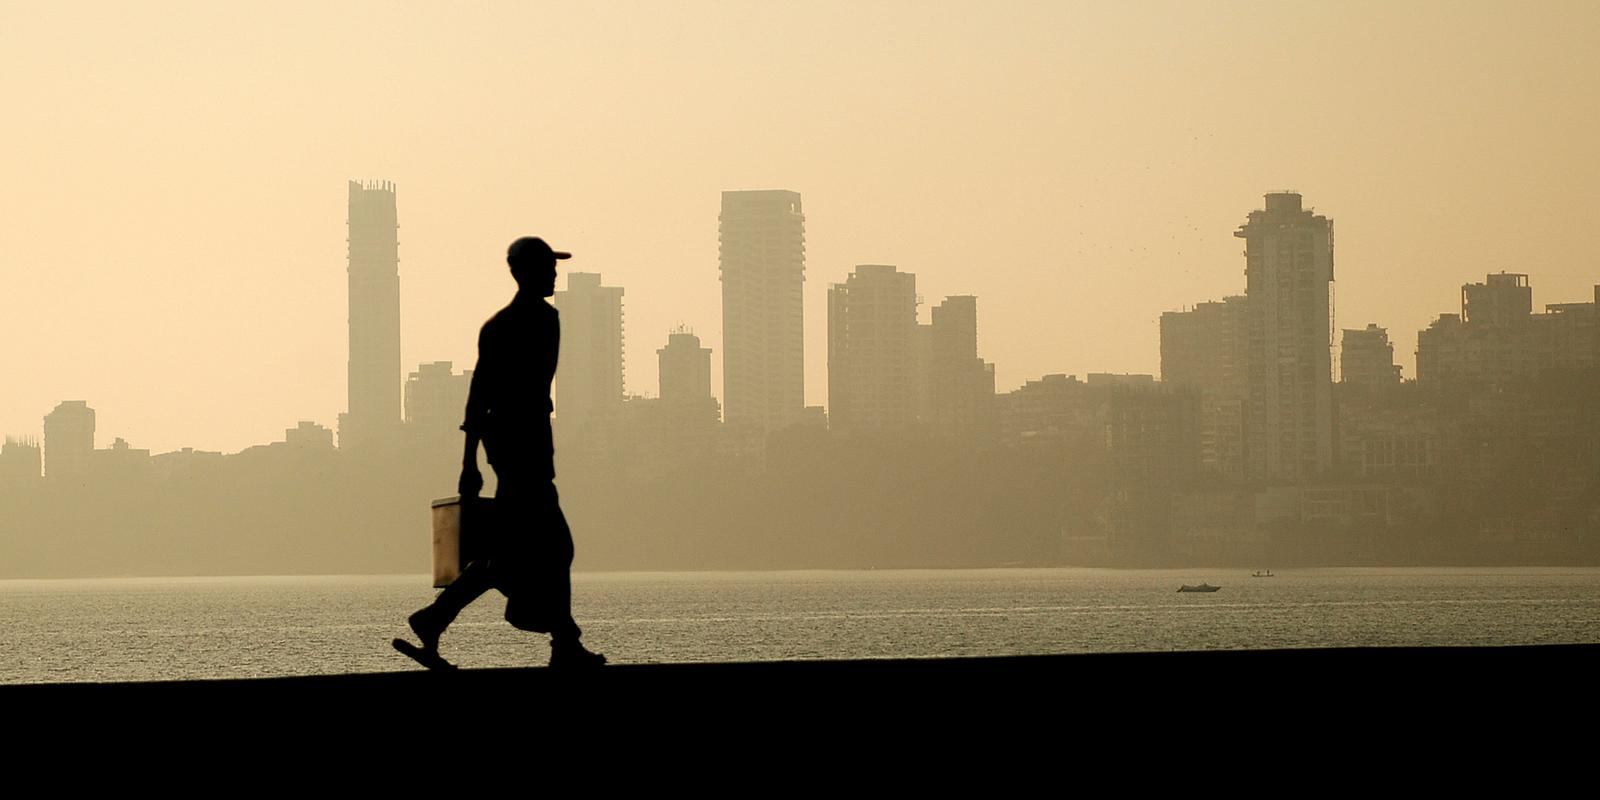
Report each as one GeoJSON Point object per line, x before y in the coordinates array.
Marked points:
{"type": "Point", "coordinates": [159, 629]}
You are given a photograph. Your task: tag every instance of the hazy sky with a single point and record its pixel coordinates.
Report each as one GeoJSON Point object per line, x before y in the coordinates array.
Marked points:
{"type": "Point", "coordinates": [172, 175]}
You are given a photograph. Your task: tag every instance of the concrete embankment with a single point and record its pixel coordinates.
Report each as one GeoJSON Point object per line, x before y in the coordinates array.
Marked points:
{"type": "Point", "coordinates": [1259, 680]}
{"type": "Point", "coordinates": [968, 724]}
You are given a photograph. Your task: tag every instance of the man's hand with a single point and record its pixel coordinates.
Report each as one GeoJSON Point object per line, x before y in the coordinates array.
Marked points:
{"type": "Point", "coordinates": [471, 481]}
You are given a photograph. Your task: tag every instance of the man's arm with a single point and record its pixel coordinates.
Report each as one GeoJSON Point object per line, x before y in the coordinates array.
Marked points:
{"type": "Point", "coordinates": [477, 415]}
{"type": "Point", "coordinates": [471, 482]}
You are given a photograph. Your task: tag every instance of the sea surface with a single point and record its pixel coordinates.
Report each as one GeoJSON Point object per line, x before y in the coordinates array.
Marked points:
{"type": "Point", "coordinates": [189, 628]}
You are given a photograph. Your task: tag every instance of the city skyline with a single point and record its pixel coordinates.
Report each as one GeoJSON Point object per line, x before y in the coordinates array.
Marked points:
{"type": "Point", "coordinates": [1245, 449]}
{"type": "Point", "coordinates": [169, 220]}
{"type": "Point", "coordinates": [374, 283]}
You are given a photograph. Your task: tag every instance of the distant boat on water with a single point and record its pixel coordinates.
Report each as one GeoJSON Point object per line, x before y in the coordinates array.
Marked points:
{"type": "Point", "coordinates": [1204, 587]}
{"type": "Point", "coordinates": [1262, 574]}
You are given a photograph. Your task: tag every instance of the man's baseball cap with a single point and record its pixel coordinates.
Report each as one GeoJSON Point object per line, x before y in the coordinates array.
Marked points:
{"type": "Point", "coordinates": [532, 248]}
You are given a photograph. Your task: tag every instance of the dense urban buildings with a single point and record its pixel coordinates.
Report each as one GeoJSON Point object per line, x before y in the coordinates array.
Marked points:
{"type": "Point", "coordinates": [762, 260]}
{"type": "Point", "coordinates": [589, 382]}
{"type": "Point", "coordinates": [888, 372]}
{"type": "Point", "coordinates": [1244, 453]}
{"type": "Point", "coordinates": [1497, 339]}
{"type": "Point", "coordinates": [374, 266]}
{"type": "Point", "coordinates": [1263, 361]}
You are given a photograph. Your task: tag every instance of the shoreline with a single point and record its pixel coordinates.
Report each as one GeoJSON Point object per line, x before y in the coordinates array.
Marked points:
{"type": "Point", "coordinates": [1451, 568]}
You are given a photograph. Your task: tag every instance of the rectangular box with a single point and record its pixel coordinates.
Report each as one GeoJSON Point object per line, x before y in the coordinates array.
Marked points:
{"type": "Point", "coordinates": [462, 530]}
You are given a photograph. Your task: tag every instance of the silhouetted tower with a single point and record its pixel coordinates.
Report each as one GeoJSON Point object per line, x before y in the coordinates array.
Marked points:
{"type": "Point", "coordinates": [763, 260]}
{"type": "Point", "coordinates": [1288, 284]}
{"type": "Point", "coordinates": [374, 268]}
{"type": "Point", "coordinates": [589, 377]}
{"type": "Point", "coordinates": [872, 370]}
{"type": "Point", "coordinates": [68, 440]}
{"type": "Point", "coordinates": [685, 368]}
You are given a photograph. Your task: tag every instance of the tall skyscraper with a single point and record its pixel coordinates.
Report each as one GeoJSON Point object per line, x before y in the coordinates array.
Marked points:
{"type": "Point", "coordinates": [68, 440]}
{"type": "Point", "coordinates": [685, 368]}
{"type": "Point", "coordinates": [1288, 285]}
{"type": "Point", "coordinates": [763, 260]}
{"type": "Point", "coordinates": [872, 366]}
{"type": "Point", "coordinates": [374, 268]}
{"type": "Point", "coordinates": [589, 377]}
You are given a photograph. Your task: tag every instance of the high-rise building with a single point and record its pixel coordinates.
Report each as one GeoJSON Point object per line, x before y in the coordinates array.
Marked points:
{"type": "Point", "coordinates": [872, 324]}
{"type": "Point", "coordinates": [68, 440]}
{"type": "Point", "coordinates": [1366, 357]}
{"type": "Point", "coordinates": [959, 386]}
{"type": "Point", "coordinates": [685, 368]}
{"type": "Point", "coordinates": [374, 268]}
{"type": "Point", "coordinates": [1288, 284]}
{"type": "Point", "coordinates": [1206, 348]}
{"type": "Point", "coordinates": [763, 260]}
{"type": "Point", "coordinates": [589, 377]}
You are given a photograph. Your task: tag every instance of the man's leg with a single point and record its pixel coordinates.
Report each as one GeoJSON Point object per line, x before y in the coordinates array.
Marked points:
{"type": "Point", "coordinates": [564, 631]}
{"type": "Point", "coordinates": [541, 591]}
{"type": "Point", "coordinates": [566, 647]}
{"type": "Point", "coordinates": [430, 623]}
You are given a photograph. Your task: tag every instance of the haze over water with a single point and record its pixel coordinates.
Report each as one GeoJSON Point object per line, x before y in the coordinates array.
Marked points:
{"type": "Point", "coordinates": [165, 629]}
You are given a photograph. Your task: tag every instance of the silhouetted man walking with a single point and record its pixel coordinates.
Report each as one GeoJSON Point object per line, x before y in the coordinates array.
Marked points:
{"type": "Point", "coordinates": [508, 410]}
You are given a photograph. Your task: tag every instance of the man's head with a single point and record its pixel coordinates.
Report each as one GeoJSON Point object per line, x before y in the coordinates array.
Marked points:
{"type": "Point", "coordinates": [533, 264]}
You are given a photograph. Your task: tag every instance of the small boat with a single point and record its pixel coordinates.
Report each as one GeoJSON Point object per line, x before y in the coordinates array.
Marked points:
{"type": "Point", "coordinates": [1260, 574]}
{"type": "Point", "coordinates": [1204, 587]}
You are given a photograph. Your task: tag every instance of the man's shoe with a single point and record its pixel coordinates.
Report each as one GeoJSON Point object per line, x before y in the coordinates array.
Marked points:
{"type": "Point", "coordinates": [428, 634]}
{"type": "Point", "coordinates": [573, 656]}
{"type": "Point", "coordinates": [427, 658]}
